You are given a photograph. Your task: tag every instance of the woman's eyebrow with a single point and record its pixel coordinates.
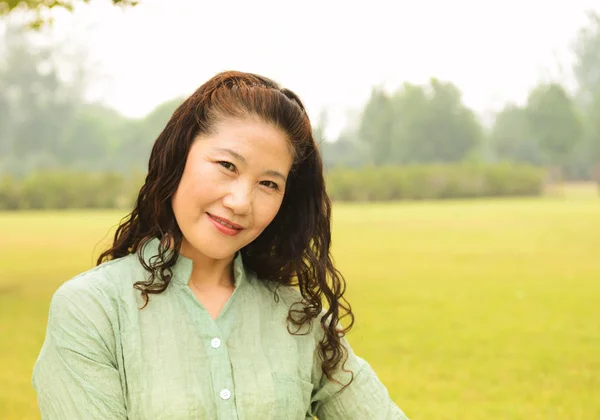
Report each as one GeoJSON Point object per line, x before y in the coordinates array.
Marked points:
{"type": "Point", "coordinates": [232, 153]}
{"type": "Point", "coordinates": [275, 174]}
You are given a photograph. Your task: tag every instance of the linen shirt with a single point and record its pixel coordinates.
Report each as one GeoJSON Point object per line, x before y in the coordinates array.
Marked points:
{"type": "Point", "coordinates": [105, 358]}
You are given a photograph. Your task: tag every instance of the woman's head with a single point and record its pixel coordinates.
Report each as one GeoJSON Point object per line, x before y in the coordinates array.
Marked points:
{"type": "Point", "coordinates": [241, 148]}
{"type": "Point", "coordinates": [232, 186]}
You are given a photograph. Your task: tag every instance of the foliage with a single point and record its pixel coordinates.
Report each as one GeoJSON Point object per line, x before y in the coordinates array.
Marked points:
{"type": "Point", "coordinates": [68, 190]}
{"type": "Point", "coordinates": [46, 125]}
{"type": "Point", "coordinates": [419, 124]}
{"type": "Point", "coordinates": [37, 8]}
{"type": "Point", "coordinates": [38, 107]}
{"type": "Point", "coordinates": [441, 181]}
{"type": "Point", "coordinates": [587, 53]}
{"type": "Point", "coordinates": [554, 122]}
{"type": "Point", "coordinates": [512, 138]}
{"type": "Point", "coordinates": [83, 189]}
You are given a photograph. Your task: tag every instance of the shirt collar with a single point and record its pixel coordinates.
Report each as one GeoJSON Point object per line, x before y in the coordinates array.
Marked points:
{"type": "Point", "coordinates": [182, 270]}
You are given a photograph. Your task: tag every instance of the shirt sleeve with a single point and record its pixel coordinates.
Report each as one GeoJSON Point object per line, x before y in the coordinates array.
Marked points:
{"type": "Point", "coordinates": [75, 375]}
{"type": "Point", "coordinates": [365, 398]}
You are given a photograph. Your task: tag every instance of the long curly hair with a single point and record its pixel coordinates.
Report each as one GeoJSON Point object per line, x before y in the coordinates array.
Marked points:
{"type": "Point", "coordinates": [294, 250]}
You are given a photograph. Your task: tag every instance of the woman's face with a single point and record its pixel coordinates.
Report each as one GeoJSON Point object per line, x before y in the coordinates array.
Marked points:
{"type": "Point", "coordinates": [232, 187]}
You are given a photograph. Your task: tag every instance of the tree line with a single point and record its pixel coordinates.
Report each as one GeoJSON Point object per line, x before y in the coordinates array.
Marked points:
{"type": "Point", "coordinates": [427, 124]}
{"type": "Point", "coordinates": [46, 125]}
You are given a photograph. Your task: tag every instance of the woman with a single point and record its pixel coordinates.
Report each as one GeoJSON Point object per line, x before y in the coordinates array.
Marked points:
{"type": "Point", "coordinates": [208, 305]}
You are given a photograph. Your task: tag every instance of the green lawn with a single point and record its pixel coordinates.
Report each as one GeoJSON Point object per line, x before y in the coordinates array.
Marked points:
{"type": "Point", "coordinates": [466, 309]}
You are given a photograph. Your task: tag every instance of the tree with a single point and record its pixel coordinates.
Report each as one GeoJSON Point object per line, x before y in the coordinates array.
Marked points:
{"type": "Point", "coordinates": [555, 123]}
{"type": "Point", "coordinates": [91, 139]}
{"type": "Point", "coordinates": [587, 64]}
{"type": "Point", "coordinates": [38, 105]}
{"type": "Point", "coordinates": [37, 8]}
{"type": "Point", "coordinates": [44, 122]}
{"type": "Point", "coordinates": [432, 125]}
{"type": "Point", "coordinates": [375, 128]}
{"type": "Point", "coordinates": [7, 6]}
{"type": "Point", "coordinates": [347, 150]}
{"type": "Point", "coordinates": [410, 108]}
{"type": "Point", "coordinates": [587, 74]}
{"type": "Point", "coordinates": [419, 124]}
{"type": "Point", "coordinates": [137, 136]}
{"type": "Point", "coordinates": [512, 139]}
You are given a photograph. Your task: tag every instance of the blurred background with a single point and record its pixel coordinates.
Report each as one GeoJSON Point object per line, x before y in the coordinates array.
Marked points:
{"type": "Point", "coordinates": [461, 142]}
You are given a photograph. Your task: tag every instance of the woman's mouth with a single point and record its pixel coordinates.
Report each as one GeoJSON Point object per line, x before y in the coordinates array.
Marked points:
{"type": "Point", "coordinates": [225, 226]}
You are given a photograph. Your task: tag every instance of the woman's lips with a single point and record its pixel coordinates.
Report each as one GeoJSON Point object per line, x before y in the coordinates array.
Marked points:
{"type": "Point", "coordinates": [225, 226]}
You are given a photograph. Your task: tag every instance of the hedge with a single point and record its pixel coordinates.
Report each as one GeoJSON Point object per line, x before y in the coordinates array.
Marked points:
{"type": "Point", "coordinates": [64, 189]}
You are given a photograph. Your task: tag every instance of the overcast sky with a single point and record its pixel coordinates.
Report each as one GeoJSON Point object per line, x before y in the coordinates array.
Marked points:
{"type": "Point", "coordinates": [330, 52]}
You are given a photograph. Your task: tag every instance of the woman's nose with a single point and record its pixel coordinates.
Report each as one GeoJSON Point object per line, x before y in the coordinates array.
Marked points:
{"type": "Point", "coordinates": [239, 198]}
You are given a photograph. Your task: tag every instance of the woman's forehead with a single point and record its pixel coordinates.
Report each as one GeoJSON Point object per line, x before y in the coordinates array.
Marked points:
{"type": "Point", "coordinates": [251, 142]}
{"type": "Point", "coordinates": [249, 134]}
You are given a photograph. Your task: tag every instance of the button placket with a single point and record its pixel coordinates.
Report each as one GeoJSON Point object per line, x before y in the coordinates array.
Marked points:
{"type": "Point", "coordinates": [214, 334]}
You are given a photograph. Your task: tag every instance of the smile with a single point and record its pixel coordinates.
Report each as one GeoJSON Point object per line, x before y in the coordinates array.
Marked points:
{"type": "Point", "coordinates": [225, 226]}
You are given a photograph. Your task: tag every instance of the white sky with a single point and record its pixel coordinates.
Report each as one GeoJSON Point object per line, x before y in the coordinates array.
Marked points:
{"type": "Point", "coordinates": [329, 52]}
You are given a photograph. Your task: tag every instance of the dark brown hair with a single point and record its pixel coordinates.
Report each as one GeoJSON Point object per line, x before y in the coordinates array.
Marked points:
{"type": "Point", "coordinates": [293, 250]}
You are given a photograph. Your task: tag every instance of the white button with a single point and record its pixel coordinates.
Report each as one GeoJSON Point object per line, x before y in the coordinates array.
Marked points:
{"type": "Point", "coordinates": [215, 343]}
{"type": "Point", "coordinates": [225, 394]}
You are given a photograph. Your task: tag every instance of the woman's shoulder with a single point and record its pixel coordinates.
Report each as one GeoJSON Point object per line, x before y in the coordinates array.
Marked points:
{"type": "Point", "coordinates": [108, 280]}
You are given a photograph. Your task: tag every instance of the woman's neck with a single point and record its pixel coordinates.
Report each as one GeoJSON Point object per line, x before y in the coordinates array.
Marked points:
{"type": "Point", "coordinates": [208, 273]}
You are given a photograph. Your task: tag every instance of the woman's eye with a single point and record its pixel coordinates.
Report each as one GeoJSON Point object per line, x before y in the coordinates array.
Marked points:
{"type": "Point", "coordinates": [270, 184]}
{"type": "Point", "coordinates": [227, 165]}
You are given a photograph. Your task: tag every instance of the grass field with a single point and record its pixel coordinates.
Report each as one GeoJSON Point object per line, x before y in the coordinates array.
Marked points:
{"type": "Point", "coordinates": [466, 309]}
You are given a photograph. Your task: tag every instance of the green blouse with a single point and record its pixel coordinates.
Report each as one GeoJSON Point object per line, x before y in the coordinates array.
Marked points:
{"type": "Point", "coordinates": [104, 358]}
